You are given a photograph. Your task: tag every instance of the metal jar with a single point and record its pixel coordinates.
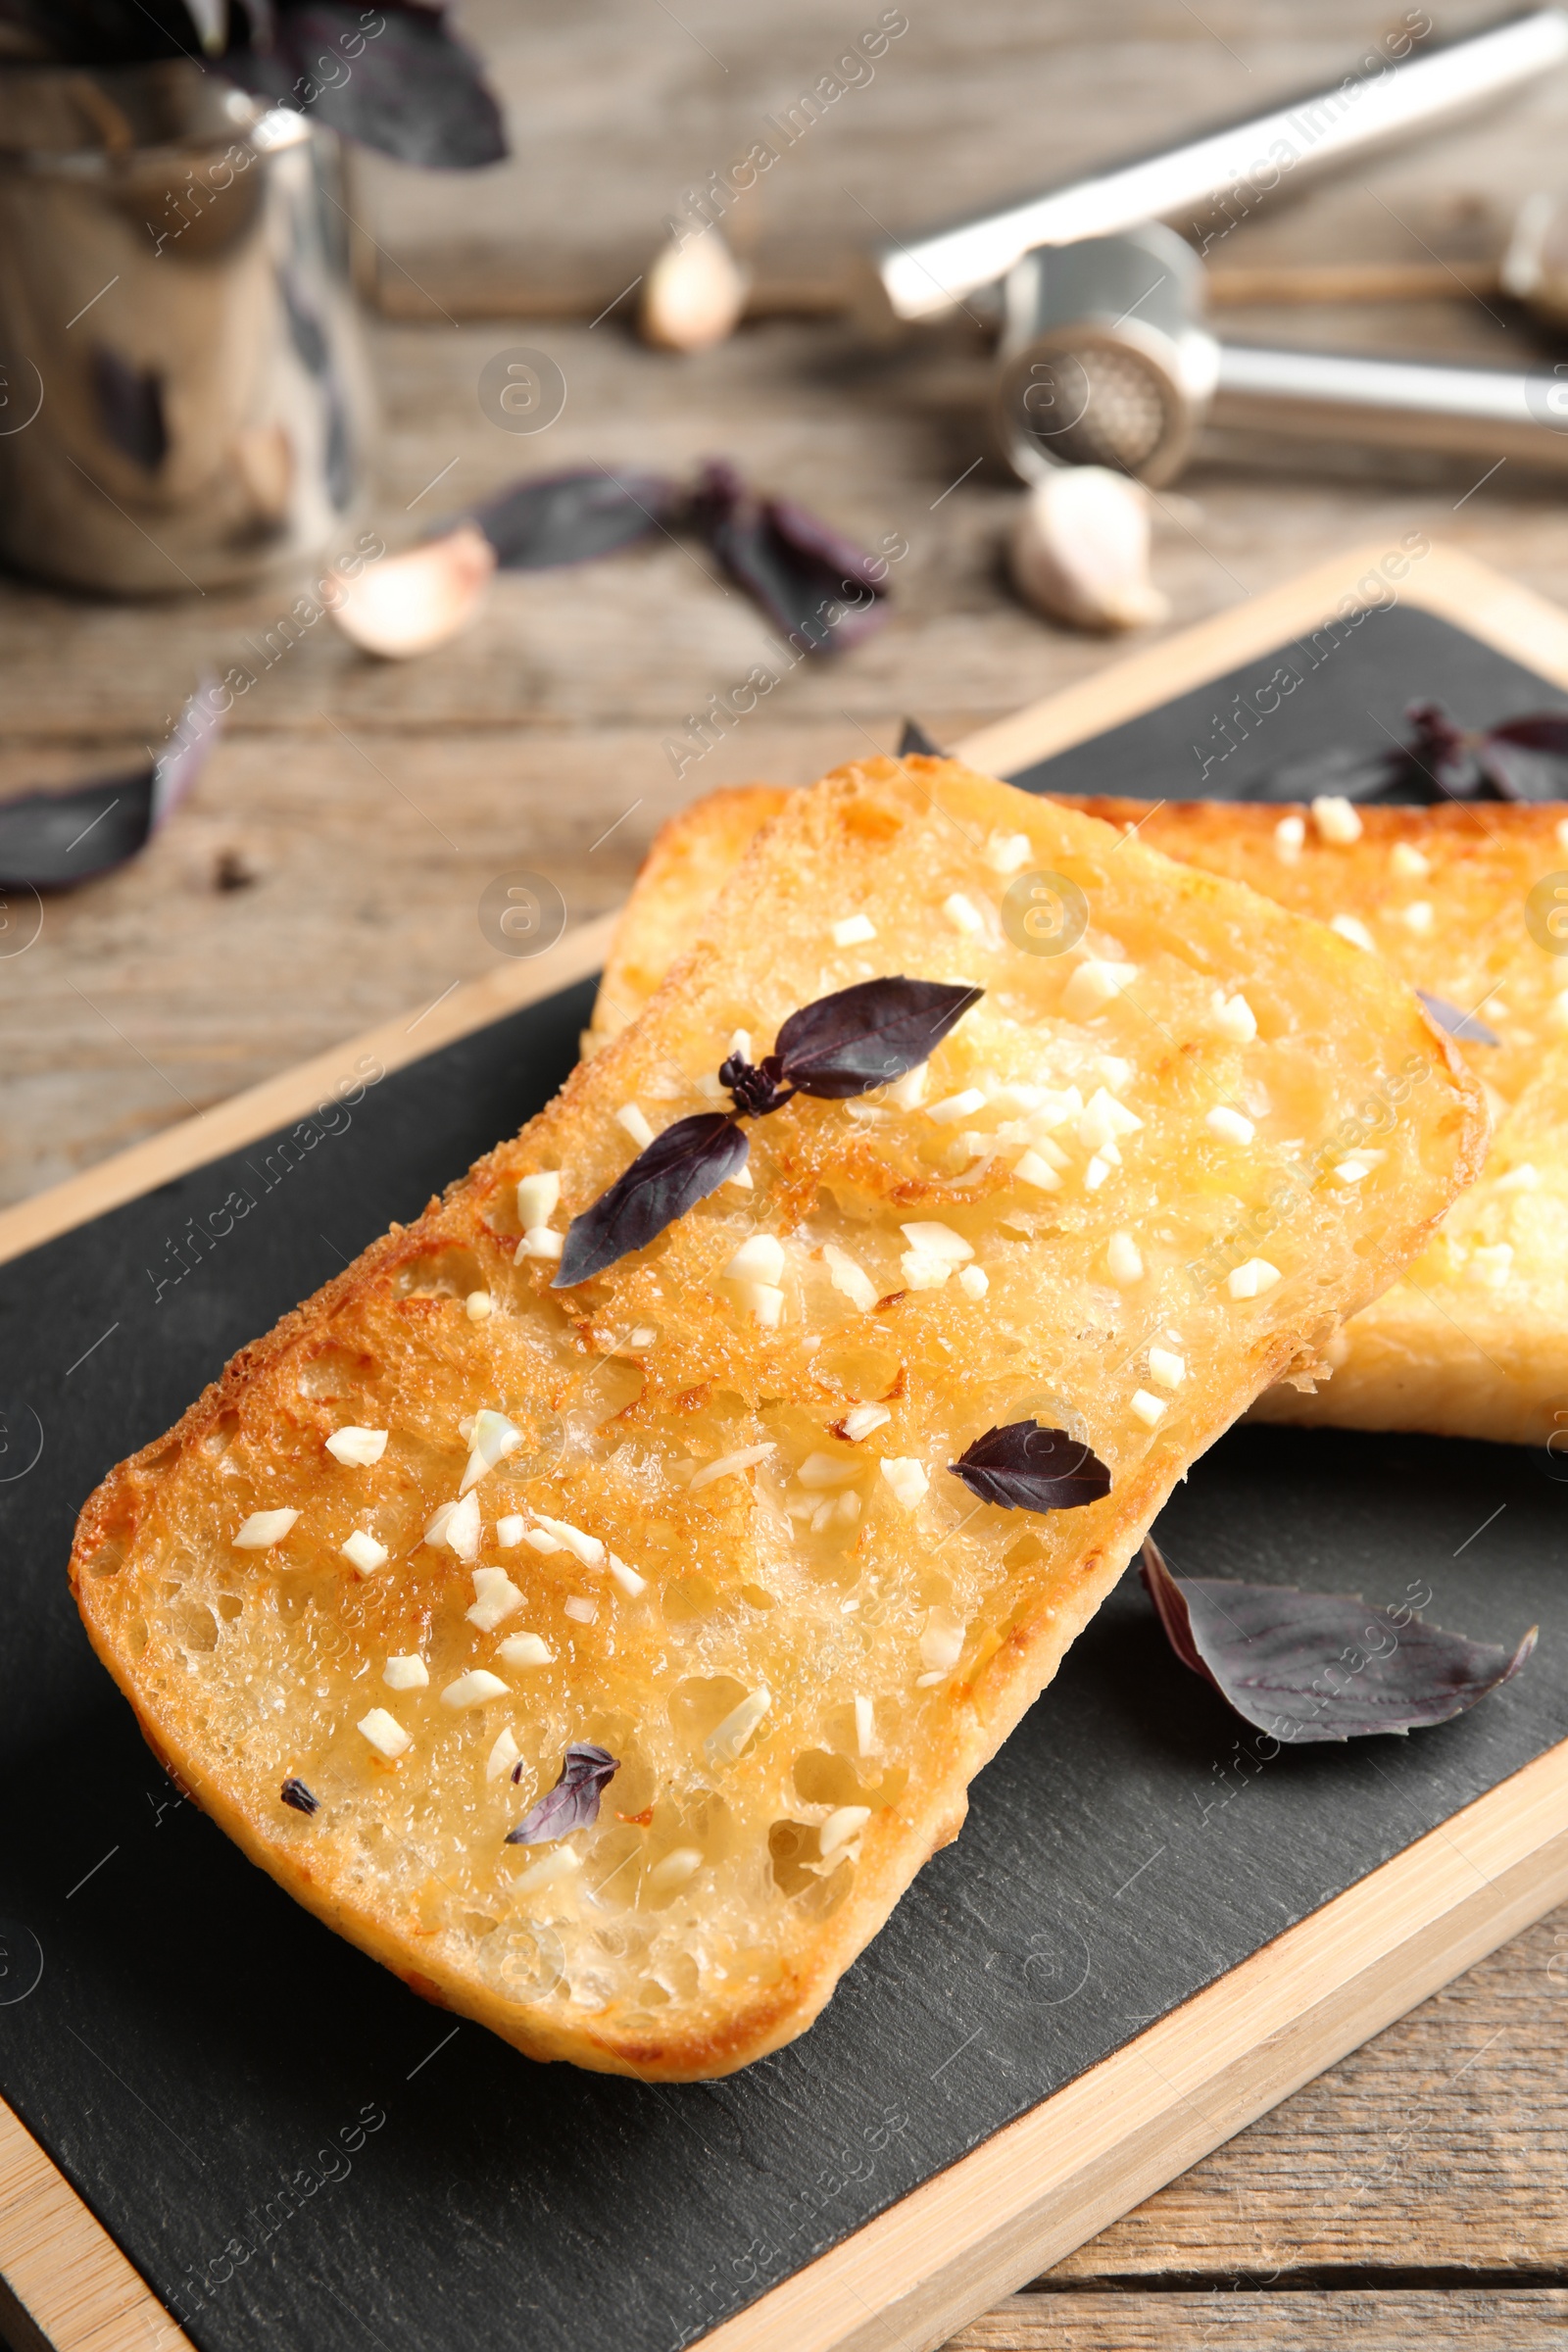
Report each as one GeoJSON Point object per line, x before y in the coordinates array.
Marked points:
{"type": "Point", "coordinates": [183, 393]}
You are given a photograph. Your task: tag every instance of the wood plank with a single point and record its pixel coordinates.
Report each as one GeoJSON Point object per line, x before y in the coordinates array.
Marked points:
{"type": "Point", "coordinates": [1091, 2151]}
{"type": "Point", "coordinates": [278, 1102]}
{"type": "Point", "coordinates": [1506, 2319]}
{"type": "Point", "coordinates": [1440, 2145]}
{"type": "Point", "coordinates": [188, 1044]}
{"type": "Point", "coordinates": [963, 109]}
{"type": "Point", "coordinates": [65, 2272]}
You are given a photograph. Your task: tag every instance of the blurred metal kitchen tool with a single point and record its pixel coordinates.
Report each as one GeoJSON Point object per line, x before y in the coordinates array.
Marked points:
{"type": "Point", "coordinates": [930, 275]}
{"type": "Point", "coordinates": [184, 400]}
{"type": "Point", "coordinates": [1531, 269]}
{"type": "Point", "coordinates": [1534, 266]}
{"type": "Point", "coordinates": [1106, 359]}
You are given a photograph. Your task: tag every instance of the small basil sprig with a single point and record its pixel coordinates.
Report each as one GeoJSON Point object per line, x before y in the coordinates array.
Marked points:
{"type": "Point", "coordinates": [1025, 1467]}
{"type": "Point", "coordinates": [574, 1802]}
{"type": "Point", "coordinates": [843, 1044]}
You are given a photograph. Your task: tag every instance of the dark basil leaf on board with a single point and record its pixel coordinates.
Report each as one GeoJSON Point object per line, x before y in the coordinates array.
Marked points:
{"type": "Point", "coordinates": [411, 89]}
{"type": "Point", "coordinates": [54, 840]}
{"type": "Point", "coordinates": [1026, 1468]}
{"type": "Point", "coordinates": [1313, 1666]}
{"type": "Point", "coordinates": [129, 405]}
{"type": "Point", "coordinates": [574, 1802]}
{"type": "Point", "coordinates": [915, 741]}
{"type": "Point", "coordinates": [1462, 1025]}
{"type": "Point", "coordinates": [101, 33]}
{"type": "Point", "coordinates": [1527, 759]}
{"type": "Point", "coordinates": [680, 1167]}
{"type": "Point", "coordinates": [813, 583]}
{"type": "Point", "coordinates": [867, 1035]}
{"type": "Point", "coordinates": [571, 518]}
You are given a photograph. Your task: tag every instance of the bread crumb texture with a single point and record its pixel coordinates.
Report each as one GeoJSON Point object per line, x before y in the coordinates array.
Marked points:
{"type": "Point", "coordinates": [654, 1513]}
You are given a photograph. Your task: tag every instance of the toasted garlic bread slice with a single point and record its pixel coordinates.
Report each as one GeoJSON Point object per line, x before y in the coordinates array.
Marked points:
{"type": "Point", "coordinates": [726, 1553]}
{"type": "Point", "coordinates": [1473, 1341]}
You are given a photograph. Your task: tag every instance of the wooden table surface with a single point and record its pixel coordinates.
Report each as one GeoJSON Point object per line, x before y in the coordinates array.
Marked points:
{"type": "Point", "coordinates": [326, 873]}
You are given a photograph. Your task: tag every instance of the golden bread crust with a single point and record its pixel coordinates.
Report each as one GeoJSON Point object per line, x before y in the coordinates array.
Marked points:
{"type": "Point", "coordinates": [893, 1637]}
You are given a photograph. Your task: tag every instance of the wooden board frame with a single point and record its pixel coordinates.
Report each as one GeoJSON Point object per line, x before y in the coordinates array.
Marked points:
{"type": "Point", "coordinates": [1089, 2152]}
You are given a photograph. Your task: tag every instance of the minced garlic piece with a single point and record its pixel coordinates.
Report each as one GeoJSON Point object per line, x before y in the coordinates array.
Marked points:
{"type": "Point", "coordinates": [384, 1732]}
{"type": "Point", "coordinates": [849, 1278]}
{"type": "Point", "coordinates": [855, 931]}
{"type": "Point", "coordinates": [1335, 819]}
{"type": "Point", "coordinates": [473, 1690]}
{"type": "Point", "coordinates": [906, 1480]}
{"type": "Point", "coordinates": [1094, 985]}
{"type": "Point", "coordinates": [525, 1649]}
{"type": "Point", "coordinates": [1124, 1259]}
{"type": "Point", "coordinates": [538, 1197]}
{"type": "Point", "coordinates": [263, 1529]}
{"type": "Point", "coordinates": [357, 1447]}
{"type": "Point", "coordinates": [1235, 1018]}
{"type": "Point", "coordinates": [496, 1597]}
{"type": "Point", "coordinates": [759, 1259]}
{"type": "Point", "coordinates": [1005, 853]}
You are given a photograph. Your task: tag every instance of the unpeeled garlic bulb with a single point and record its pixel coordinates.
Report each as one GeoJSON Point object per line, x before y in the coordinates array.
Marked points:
{"type": "Point", "coordinates": [409, 604]}
{"type": "Point", "coordinates": [1080, 551]}
{"type": "Point", "coordinates": [694, 294]}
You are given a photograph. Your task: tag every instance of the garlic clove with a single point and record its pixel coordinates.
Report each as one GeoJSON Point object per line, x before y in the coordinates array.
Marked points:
{"type": "Point", "coordinates": [407, 604]}
{"type": "Point", "coordinates": [1080, 551]}
{"type": "Point", "coordinates": [694, 295]}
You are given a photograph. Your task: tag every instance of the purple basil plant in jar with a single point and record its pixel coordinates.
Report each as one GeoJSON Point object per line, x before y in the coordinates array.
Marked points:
{"type": "Point", "coordinates": [184, 400]}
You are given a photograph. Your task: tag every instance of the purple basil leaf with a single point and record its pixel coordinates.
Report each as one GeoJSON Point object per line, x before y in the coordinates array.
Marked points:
{"type": "Point", "coordinates": [1441, 752]}
{"type": "Point", "coordinates": [680, 1167]}
{"type": "Point", "coordinates": [1462, 1025]}
{"type": "Point", "coordinates": [54, 840]}
{"type": "Point", "coordinates": [129, 406]}
{"type": "Point", "coordinates": [867, 1035]}
{"type": "Point", "coordinates": [1313, 1666]}
{"type": "Point", "coordinates": [799, 570]}
{"type": "Point", "coordinates": [296, 1796]}
{"type": "Point", "coordinates": [914, 740]}
{"type": "Point", "coordinates": [103, 32]}
{"type": "Point", "coordinates": [574, 1802]}
{"type": "Point", "coordinates": [410, 89]}
{"type": "Point", "coordinates": [570, 517]}
{"type": "Point", "coordinates": [1026, 1468]}
{"type": "Point", "coordinates": [1527, 759]}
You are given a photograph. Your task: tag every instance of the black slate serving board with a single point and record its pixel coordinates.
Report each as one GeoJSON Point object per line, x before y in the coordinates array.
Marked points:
{"type": "Point", "coordinates": [295, 2152]}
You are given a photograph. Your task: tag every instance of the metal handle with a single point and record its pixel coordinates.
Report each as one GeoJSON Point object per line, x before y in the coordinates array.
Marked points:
{"type": "Point", "coordinates": [1409, 404]}
{"type": "Point", "coordinates": [931, 275]}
